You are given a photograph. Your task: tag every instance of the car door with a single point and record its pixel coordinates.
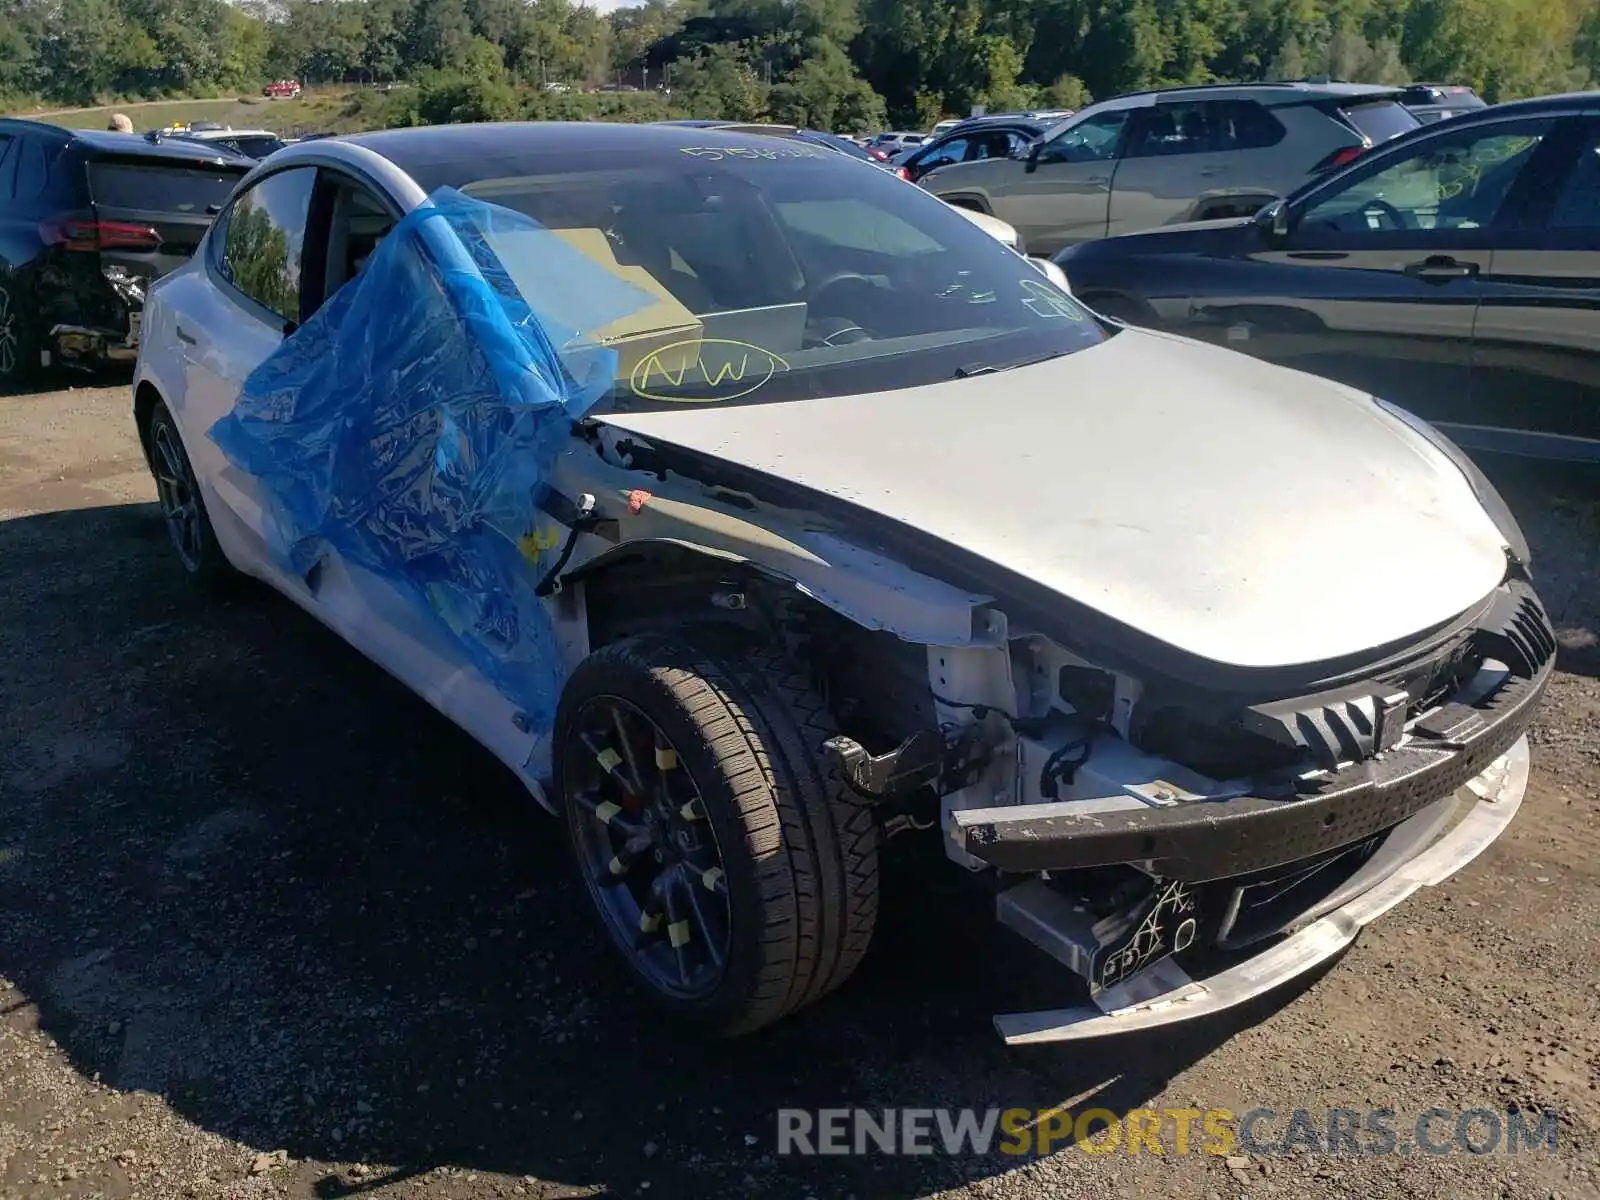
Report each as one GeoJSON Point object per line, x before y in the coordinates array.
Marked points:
{"type": "Point", "coordinates": [249, 300]}
{"type": "Point", "coordinates": [1536, 343]}
{"type": "Point", "coordinates": [1377, 278]}
{"type": "Point", "coordinates": [1173, 154]}
{"type": "Point", "coordinates": [1061, 193]}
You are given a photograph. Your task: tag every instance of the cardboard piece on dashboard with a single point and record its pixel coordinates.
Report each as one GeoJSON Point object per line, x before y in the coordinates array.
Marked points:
{"type": "Point", "coordinates": [660, 323]}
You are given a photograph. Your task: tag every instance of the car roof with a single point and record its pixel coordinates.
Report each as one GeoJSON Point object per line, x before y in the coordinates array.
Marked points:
{"type": "Point", "coordinates": [437, 155]}
{"type": "Point", "coordinates": [138, 145]}
{"type": "Point", "coordinates": [1282, 92]}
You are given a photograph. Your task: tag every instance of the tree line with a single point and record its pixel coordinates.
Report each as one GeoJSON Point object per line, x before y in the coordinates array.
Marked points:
{"type": "Point", "coordinates": [843, 64]}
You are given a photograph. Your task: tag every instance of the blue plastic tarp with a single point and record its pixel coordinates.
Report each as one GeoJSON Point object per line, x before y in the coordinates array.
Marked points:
{"type": "Point", "coordinates": [411, 422]}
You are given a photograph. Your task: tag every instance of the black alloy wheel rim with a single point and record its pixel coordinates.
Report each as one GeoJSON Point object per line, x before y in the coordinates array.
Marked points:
{"type": "Point", "coordinates": [180, 503]}
{"type": "Point", "coordinates": [647, 849]}
{"type": "Point", "coordinates": [10, 342]}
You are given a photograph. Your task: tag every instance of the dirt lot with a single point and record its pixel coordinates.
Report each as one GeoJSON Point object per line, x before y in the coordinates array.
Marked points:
{"type": "Point", "coordinates": [256, 898]}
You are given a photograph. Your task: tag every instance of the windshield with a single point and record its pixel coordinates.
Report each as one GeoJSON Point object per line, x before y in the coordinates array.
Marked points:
{"type": "Point", "coordinates": [778, 273]}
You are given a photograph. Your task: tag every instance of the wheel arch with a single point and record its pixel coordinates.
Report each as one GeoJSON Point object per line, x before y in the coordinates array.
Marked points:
{"type": "Point", "coordinates": [146, 396]}
{"type": "Point", "coordinates": [975, 201]}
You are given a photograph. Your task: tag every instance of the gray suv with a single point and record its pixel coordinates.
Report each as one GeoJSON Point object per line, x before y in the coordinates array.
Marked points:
{"type": "Point", "coordinates": [1178, 154]}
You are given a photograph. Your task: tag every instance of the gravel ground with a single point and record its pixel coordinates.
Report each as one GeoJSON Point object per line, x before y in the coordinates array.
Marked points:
{"type": "Point", "coordinates": [271, 927]}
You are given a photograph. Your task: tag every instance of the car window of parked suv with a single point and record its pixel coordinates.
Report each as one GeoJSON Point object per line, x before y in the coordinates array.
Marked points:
{"type": "Point", "coordinates": [1202, 128]}
{"type": "Point", "coordinates": [952, 151]}
{"type": "Point", "coordinates": [264, 240]}
{"type": "Point", "coordinates": [1453, 182]}
{"type": "Point", "coordinates": [155, 186]}
{"type": "Point", "coordinates": [1379, 120]}
{"type": "Point", "coordinates": [1578, 206]}
{"type": "Point", "coordinates": [1092, 140]}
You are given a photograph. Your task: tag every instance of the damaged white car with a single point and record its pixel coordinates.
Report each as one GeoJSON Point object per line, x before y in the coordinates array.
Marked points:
{"type": "Point", "coordinates": [755, 508]}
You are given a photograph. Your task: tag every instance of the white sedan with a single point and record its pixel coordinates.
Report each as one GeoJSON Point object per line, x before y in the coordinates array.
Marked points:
{"type": "Point", "coordinates": [754, 507]}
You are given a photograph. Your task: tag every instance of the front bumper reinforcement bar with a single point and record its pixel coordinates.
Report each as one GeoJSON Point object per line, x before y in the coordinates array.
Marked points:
{"type": "Point", "coordinates": [1204, 840]}
{"type": "Point", "coordinates": [1165, 994]}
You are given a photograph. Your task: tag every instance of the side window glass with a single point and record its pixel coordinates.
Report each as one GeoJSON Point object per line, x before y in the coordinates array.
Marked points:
{"type": "Point", "coordinates": [1094, 140]}
{"type": "Point", "coordinates": [992, 145]}
{"type": "Point", "coordinates": [1243, 125]}
{"type": "Point", "coordinates": [1458, 181]}
{"type": "Point", "coordinates": [1578, 205]}
{"type": "Point", "coordinates": [1170, 129]}
{"type": "Point", "coordinates": [953, 151]}
{"type": "Point", "coordinates": [265, 235]}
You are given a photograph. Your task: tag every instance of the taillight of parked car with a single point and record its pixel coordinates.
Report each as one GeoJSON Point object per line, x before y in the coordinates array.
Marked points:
{"type": "Point", "coordinates": [904, 173]}
{"type": "Point", "coordinates": [75, 234]}
{"type": "Point", "coordinates": [1341, 157]}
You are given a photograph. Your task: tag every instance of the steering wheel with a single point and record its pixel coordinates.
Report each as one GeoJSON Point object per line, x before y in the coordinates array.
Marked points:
{"type": "Point", "coordinates": [833, 331]}
{"type": "Point", "coordinates": [1386, 211]}
{"type": "Point", "coordinates": [836, 280]}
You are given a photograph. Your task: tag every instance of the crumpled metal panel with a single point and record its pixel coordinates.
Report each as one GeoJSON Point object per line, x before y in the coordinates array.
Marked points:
{"type": "Point", "coordinates": [410, 425]}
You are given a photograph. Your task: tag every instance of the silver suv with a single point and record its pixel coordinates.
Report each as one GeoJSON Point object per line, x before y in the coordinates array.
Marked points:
{"type": "Point", "coordinates": [1179, 154]}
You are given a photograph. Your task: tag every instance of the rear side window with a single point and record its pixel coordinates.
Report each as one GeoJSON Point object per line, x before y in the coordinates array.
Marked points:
{"type": "Point", "coordinates": [1243, 125]}
{"type": "Point", "coordinates": [157, 187]}
{"type": "Point", "coordinates": [1578, 206]}
{"type": "Point", "coordinates": [264, 240]}
{"type": "Point", "coordinates": [1379, 120]}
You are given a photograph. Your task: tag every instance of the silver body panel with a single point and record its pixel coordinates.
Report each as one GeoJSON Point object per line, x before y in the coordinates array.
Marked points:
{"type": "Point", "coordinates": [1244, 513]}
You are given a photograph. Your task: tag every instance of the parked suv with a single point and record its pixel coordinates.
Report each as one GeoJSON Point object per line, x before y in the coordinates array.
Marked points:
{"type": "Point", "coordinates": [87, 221]}
{"type": "Point", "coordinates": [1179, 154]}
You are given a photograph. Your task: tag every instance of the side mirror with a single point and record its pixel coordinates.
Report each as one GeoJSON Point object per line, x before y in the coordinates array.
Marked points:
{"type": "Point", "coordinates": [1274, 220]}
{"type": "Point", "coordinates": [1032, 157]}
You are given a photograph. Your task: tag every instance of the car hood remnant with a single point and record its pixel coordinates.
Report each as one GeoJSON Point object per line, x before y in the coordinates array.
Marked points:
{"type": "Point", "coordinates": [1235, 511]}
{"type": "Point", "coordinates": [410, 424]}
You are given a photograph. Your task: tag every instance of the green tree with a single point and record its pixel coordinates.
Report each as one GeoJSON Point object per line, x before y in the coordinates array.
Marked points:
{"type": "Point", "coordinates": [824, 92]}
{"type": "Point", "coordinates": [720, 82]}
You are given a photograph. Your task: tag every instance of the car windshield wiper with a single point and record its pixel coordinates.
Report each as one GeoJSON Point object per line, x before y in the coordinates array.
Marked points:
{"type": "Point", "coordinates": [971, 369]}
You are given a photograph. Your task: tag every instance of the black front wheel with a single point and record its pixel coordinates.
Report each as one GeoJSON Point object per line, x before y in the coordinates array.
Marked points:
{"type": "Point", "coordinates": [735, 877]}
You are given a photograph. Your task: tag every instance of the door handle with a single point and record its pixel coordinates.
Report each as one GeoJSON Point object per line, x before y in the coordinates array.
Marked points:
{"type": "Point", "coordinates": [185, 336]}
{"type": "Point", "coordinates": [1441, 267]}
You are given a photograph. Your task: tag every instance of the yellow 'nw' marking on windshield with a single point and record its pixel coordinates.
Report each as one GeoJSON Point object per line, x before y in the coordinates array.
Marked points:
{"type": "Point", "coordinates": [718, 361]}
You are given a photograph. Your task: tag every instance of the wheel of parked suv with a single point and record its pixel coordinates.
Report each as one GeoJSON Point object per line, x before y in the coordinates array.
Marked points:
{"type": "Point", "coordinates": [19, 346]}
{"type": "Point", "coordinates": [737, 879]}
{"type": "Point", "coordinates": [188, 524]}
